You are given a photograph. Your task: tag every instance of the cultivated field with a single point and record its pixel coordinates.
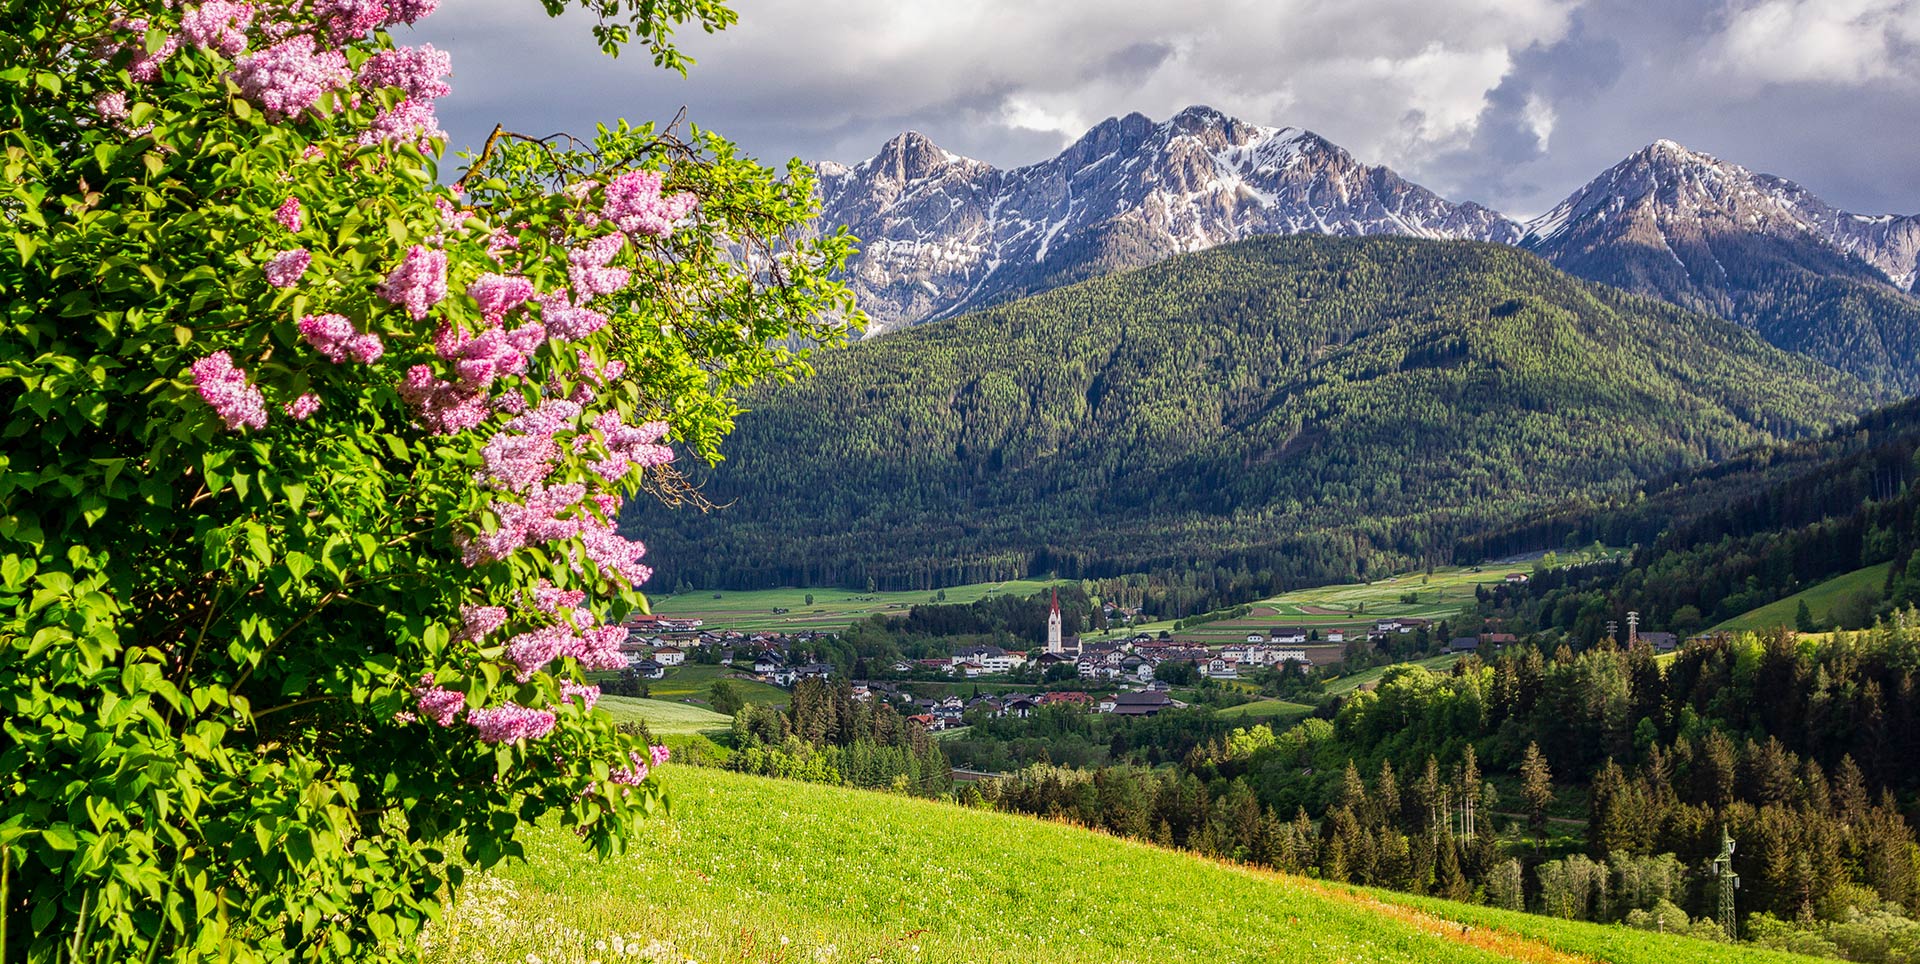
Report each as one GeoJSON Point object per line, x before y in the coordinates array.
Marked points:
{"type": "Point", "coordinates": [832, 609]}
{"type": "Point", "coordinates": [1349, 605]}
{"type": "Point", "coordinates": [754, 869]}
{"type": "Point", "coordinates": [1262, 711]}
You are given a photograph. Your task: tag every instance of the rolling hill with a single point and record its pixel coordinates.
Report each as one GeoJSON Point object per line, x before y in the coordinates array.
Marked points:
{"type": "Point", "coordinates": [1315, 407]}
{"type": "Point", "coordinates": [754, 869]}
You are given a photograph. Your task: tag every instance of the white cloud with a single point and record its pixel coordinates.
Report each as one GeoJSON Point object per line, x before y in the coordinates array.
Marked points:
{"type": "Point", "coordinates": [1845, 42]}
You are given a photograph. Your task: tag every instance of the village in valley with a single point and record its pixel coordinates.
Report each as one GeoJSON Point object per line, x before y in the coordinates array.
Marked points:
{"type": "Point", "coordinates": [1136, 666]}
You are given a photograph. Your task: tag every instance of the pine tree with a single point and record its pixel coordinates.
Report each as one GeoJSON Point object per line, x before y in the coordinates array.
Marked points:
{"type": "Point", "coordinates": [1803, 619]}
{"type": "Point", "coordinates": [1536, 789]}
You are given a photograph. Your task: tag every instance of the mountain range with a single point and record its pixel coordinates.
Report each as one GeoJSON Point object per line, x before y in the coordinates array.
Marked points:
{"type": "Point", "coordinates": [944, 234]}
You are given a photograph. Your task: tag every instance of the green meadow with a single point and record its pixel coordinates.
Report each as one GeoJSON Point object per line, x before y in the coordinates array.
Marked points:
{"type": "Point", "coordinates": [1262, 711]}
{"type": "Point", "coordinates": [754, 869]}
{"type": "Point", "coordinates": [1821, 600]}
{"type": "Point", "coordinates": [832, 608]}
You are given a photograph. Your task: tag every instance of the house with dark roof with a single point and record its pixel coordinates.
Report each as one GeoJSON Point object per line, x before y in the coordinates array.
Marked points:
{"type": "Point", "coordinates": [1464, 644]}
{"type": "Point", "coordinates": [1144, 703]}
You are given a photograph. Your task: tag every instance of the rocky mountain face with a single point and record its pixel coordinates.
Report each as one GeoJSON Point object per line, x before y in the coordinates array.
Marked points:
{"type": "Point", "coordinates": [943, 234]}
{"type": "Point", "coordinates": [1706, 234]}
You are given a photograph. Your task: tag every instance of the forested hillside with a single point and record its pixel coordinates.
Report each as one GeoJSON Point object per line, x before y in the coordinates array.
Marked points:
{"type": "Point", "coordinates": [1738, 535]}
{"type": "Point", "coordinates": [1304, 407]}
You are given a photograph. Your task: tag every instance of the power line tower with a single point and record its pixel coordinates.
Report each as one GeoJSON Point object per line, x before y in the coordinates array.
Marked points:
{"type": "Point", "coordinates": [1729, 882]}
{"type": "Point", "coordinates": [1633, 629]}
{"type": "Point", "coordinates": [1613, 631]}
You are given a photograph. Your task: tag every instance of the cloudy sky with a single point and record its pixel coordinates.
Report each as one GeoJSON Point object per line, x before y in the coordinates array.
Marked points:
{"type": "Point", "coordinates": [1513, 103]}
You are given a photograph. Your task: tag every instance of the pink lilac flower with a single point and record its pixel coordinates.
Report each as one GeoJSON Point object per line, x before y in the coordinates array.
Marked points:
{"type": "Point", "coordinates": [479, 622]}
{"type": "Point", "coordinates": [553, 415]}
{"type": "Point", "coordinates": [419, 282]}
{"type": "Point", "coordinates": [290, 215]}
{"type": "Point", "coordinates": [531, 651]}
{"type": "Point", "coordinates": [588, 694]}
{"type": "Point", "coordinates": [498, 294]}
{"type": "Point", "coordinates": [660, 754]}
{"type": "Point", "coordinates": [629, 446]}
{"type": "Point", "coordinates": [303, 407]}
{"type": "Point", "coordinates": [408, 122]}
{"type": "Point", "coordinates": [345, 19]}
{"type": "Point", "coordinates": [440, 705]}
{"type": "Point", "coordinates": [587, 269]}
{"type": "Point", "coordinates": [547, 598]}
{"type": "Point", "coordinates": [634, 204]}
{"type": "Point", "coordinates": [289, 77]}
{"type": "Point", "coordinates": [502, 240]}
{"type": "Point", "coordinates": [566, 321]}
{"type": "Point", "coordinates": [286, 267]}
{"type": "Point", "coordinates": [597, 373]}
{"type": "Point", "coordinates": [599, 649]}
{"type": "Point", "coordinates": [335, 337]}
{"type": "Point", "coordinates": [493, 353]}
{"type": "Point", "coordinates": [635, 773]}
{"type": "Point", "coordinates": [218, 25]}
{"type": "Point", "coordinates": [511, 723]}
{"type": "Point", "coordinates": [518, 462]}
{"type": "Point", "coordinates": [533, 522]}
{"type": "Point", "coordinates": [416, 70]}
{"type": "Point", "coordinates": [409, 11]}
{"type": "Point", "coordinates": [144, 68]}
{"type": "Point", "coordinates": [614, 553]}
{"type": "Point", "coordinates": [226, 389]}
{"type": "Point", "coordinates": [112, 106]}
{"type": "Point", "coordinates": [444, 407]}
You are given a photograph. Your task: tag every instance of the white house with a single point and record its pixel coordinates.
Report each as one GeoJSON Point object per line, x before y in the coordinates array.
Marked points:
{"type": "Point", "coordinates": [669, 656]}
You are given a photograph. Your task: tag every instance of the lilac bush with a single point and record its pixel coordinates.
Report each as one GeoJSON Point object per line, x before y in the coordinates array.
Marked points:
{"type": "Point", "coordinates": [311, 484]}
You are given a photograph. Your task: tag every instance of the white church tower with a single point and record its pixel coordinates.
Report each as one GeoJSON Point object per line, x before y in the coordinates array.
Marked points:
{"type": "Point", "coordinates": [1053, 626]}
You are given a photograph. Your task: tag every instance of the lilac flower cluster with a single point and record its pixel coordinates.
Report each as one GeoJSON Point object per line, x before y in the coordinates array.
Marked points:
{"type": "Point", "coordinates": [634, 204]}
{"type": "Point", "coordinates": [444, 407]}
{"type": "Point", "coordinates": [479, 622]}
{"type": "Point", "coordinates": [588, 271]}
{"type": "Point", "coordinates": [531, 651]}
{"type": "Point", "coordinates": [346, 19]}
{"type": "Point", "coordinates": [638, 766]}
{"type": "Point", "coordinates": [493, 353]}
{"type": "Point", "coordinates": [440, 705]}
{"type": "Point", "coordinates": [567, 321]}
{"type": "Point", "coordinates": [290, 215]}
{"type": "Point", "coordinates": [289, 77]}
{"type": "Point", "coordinates": [416, 70]}
{"type": "Point", "coordinates": [300, 409]}
{"type": "Point", "coordinates": [419, 282]}
{"type": "Point", "coordinates": [145, 65]}
{"type": "Point", "coordinates": [588, 694]}
{"type": "Point", "coordinates": [497, 294]}
{"type": "Point", "coordinates": [285, 268]}
{"type": "Point", "coordinates": [334, 336]}
{"type": "Point", "coordinates": [518, 462]}
{"type": "Point", "coordinates": [410, 121]}
{"type": "Point", "coordinates": [629, 446]}
{"type": "Point", "coordinates": [510, 723]}
{"type": "Point", "coordinates": [226, 389]}
{"type": "Point", "coordinates": [218, 25]}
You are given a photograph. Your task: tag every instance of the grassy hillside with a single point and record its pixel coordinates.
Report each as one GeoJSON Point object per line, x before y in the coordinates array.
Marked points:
{"type": "Point", "coordinates": [663, 717]}
{"type": "Point", "coordinates": [1261, 711]}
{"type": "Point", "coordinates": [750, 869]}
{"type": "Point", "coordinates": [1821, 601]}
{"type": "Point", "coordinates": [1304, 406]}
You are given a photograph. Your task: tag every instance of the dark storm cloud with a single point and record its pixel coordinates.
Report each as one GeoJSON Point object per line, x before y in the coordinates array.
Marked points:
{"type": "Point", "coordinates": [1513, 103]}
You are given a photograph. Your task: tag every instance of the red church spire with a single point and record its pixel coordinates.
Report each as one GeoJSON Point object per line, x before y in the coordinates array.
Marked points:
{"type": "Point", "coordinates": [1056, 601]}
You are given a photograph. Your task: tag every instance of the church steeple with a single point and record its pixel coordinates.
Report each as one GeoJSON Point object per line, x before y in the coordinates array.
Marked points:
{"type": "Point", "coordinates": [1053, 625]}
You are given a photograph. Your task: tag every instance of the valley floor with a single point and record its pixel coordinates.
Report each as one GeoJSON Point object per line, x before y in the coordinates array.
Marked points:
{"type": "Point", "coordinates": [753, 869]}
